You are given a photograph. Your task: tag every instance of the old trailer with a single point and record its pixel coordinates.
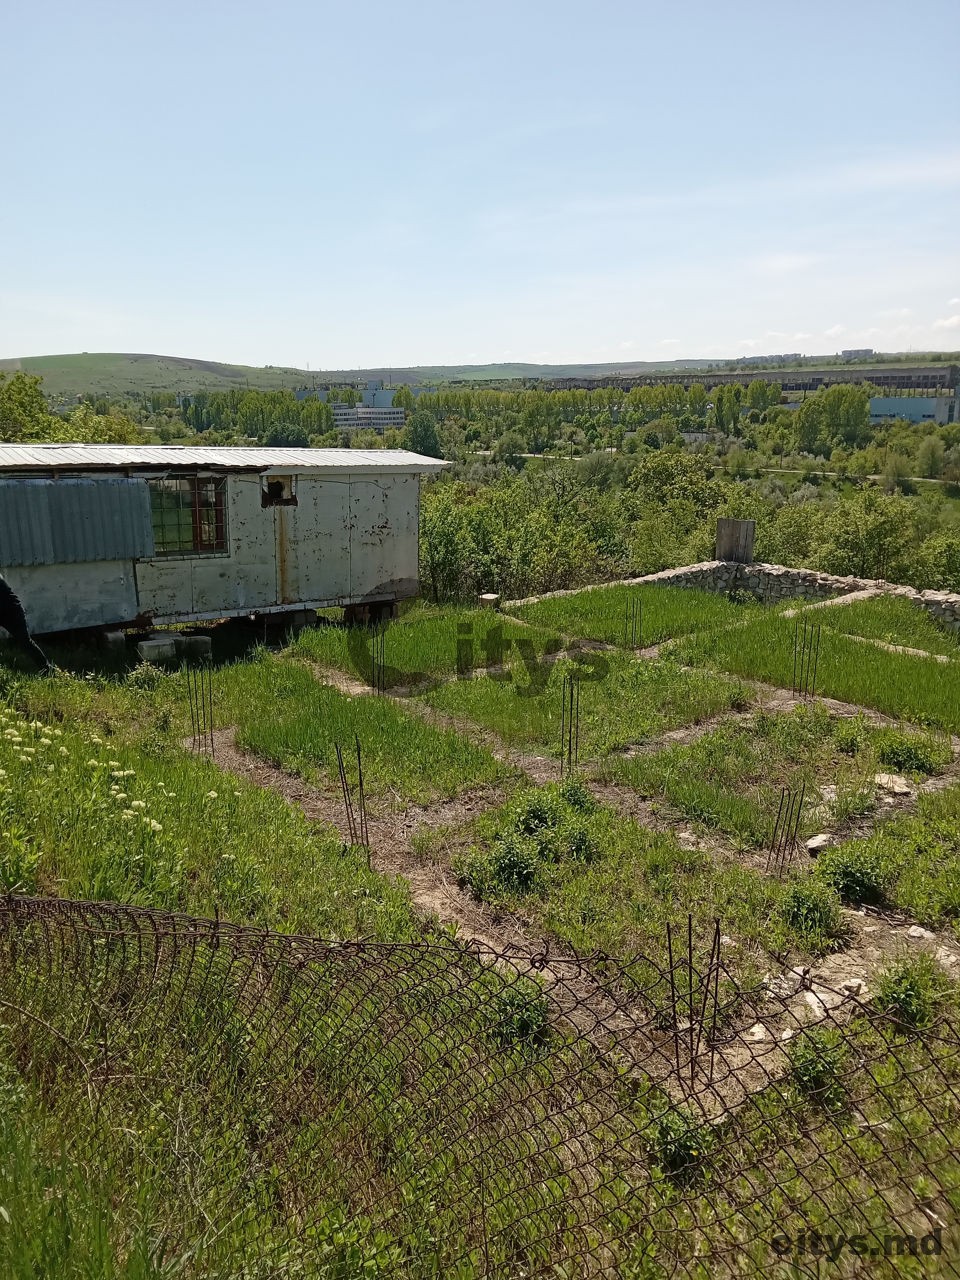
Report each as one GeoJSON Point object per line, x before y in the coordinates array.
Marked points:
{"type": "Point", "coordinates": [127, 535]}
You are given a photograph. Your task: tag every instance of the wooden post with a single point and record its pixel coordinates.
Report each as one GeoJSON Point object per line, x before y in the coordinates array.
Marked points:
{"type": "Point", "coordinates": [735, 540]}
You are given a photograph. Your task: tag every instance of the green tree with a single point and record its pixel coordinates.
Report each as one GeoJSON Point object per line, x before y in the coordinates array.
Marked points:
{"type": "Point", "coordinates": [422, 435]}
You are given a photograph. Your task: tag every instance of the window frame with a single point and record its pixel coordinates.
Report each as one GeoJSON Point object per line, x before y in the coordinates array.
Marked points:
{"type": "Point", "coordinates": [200, 505]}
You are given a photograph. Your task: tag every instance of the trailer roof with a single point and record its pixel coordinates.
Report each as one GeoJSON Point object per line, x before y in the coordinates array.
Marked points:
{"type": "Point", "coordinates": [105, 457]}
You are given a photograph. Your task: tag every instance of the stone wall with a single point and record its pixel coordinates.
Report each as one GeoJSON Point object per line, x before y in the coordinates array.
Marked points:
{"type": "Point", "coordinates": [773, 583]}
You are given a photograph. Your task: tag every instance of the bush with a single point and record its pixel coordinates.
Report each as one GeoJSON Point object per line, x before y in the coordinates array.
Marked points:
{"type": "Point", "coordinates": [848, 736]}
{"type": "Point", "coordinates": [535, 810]}
{"type": "Point", "coordinates": [817, 1059]}
{"type": "Point", "coordinates": [520, 1016]}
{"type": "Point", "coordinates": [515, 863]}
{"type": "Point", "coordinates": [911, 991]}
{"type": "Point", "coordinates": [812, 909]}
{"type": "Point", "coordinates": [857, 871]}
{"type": "Point", "coordinates": [681, 1145]}
{"type": "Point", "coordinates": [576, 796]}
{"type": "Point", "coordinates": [576, 842]}
{"type": "Point", "coordinates": [910, 752]}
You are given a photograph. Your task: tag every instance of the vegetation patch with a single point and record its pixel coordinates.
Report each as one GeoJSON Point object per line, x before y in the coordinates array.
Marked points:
{"type": "Point", "coordinates": [905, 686]}
{"type": "Point", "coordinates": [283, 713]}
{"type": "Point", "coordinates": [893, 620]}
{"type": "Point", "coordinates": [731, 777]}
{"type": "Point", "coordinates": [635, 616]}
{"type": "Point", "coordinates": [622, 700]}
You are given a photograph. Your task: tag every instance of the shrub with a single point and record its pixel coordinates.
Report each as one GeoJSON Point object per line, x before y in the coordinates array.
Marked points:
{"type": "Point", "coordinates": [817, 1059]}
{"type": "Point", "coordinates": [857, 871]}
{"type": "Point", "coordinates": [515, 863]}
{"type": "Point", "coordinates": [812, 909]}
{"type": "Point", "coordinates": [520, 1016]}
{"type": "Point", "coordinates": [681, 1145]}
{"type": "Point", "coordinates": [535, 810]}
{"type": "Point", "coordinates": [848, 736]}
{"type": "Point", "coordinates": [577, 842]}
{"type": "Point", "coordinates": [911, 991]}
{"type": "Point", "coordinates": [576, 796]}
{"type": "Point", "coordinates": [910, 752]}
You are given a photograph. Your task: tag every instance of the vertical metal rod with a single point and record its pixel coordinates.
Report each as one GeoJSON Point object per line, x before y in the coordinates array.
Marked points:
{"type": "Point", "coordinates": [563, 725]}
{"type": "Point", "coordinates": [576, 744]}
{"type": "Point", "coordinates": [673, 1000]}
{"type": "Point", "coordinates": [364, 840]}
{"type": "Point", "coordinates": [716, 1002]}
{"type": "Point", "coordinates": [714, 947]}
{"type": "Point", "coordinates": [816, 663]}
{"type": "Point", "coordinates": [690, 1015]}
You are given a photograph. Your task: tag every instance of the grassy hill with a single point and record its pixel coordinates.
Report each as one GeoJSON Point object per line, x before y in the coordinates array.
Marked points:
{"type": "Point", "coordinates": [118, 374]}
{"type": "Point", "coordinates": [110, 373]}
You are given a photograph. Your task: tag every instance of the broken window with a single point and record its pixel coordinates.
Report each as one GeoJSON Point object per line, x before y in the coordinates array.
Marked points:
{"type": "Point", "coordinates": [278, 491]}
{"type": "Point", "coordinates": [189, 515]}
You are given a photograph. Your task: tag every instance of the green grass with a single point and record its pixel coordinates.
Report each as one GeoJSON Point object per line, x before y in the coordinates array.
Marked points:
{"type": "Point", "coordinates": [428, 643]}
{"type": "Point", "coordinates": [283, 713]}
{"type": "Point", "coordinates": [894, 620]}
{"type": "Point", "coordinates": [85, 817]}
{"type": "Point", "coordinates": [911, 863]}
{"type": "Point", "coordinates": [622, 700]}
{"type": "Point", "coordinates": [605, 613]}
{"type": "Point", "coordinates": [904, 686]}
{"type": "Point", "coordinates": [597, 881]}
{"type": "Point", "coordinates": [730, 777]}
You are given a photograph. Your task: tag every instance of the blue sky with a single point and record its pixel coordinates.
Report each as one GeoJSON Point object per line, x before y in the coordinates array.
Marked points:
{"type": "Point", "coordinates": [386, 184]}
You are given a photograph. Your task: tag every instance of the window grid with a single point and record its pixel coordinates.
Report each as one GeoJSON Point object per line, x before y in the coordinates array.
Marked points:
{"type": "Point", "coordinates": [189, 515]}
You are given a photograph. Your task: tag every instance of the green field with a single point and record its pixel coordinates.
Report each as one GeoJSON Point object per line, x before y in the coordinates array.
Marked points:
{"type": "Point", "coordinates": [892, 620]}
{"type": "Point", "coordinates": [904, 686]}
{"type": "Point", "coordinates": [634, 617]}
{"type": "Point", "coordinates": [180, 1099]}
{"type": "Point", "coordinates": [731, 777]}
{"type": "Point", "coordinates": [427, 643]}
{"type": "Point", "coordinates": [622, 700]}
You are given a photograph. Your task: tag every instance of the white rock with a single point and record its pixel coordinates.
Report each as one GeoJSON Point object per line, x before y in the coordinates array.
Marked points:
{"type": "Point", "coordinates": [851, 986]}
{"type": "Point", "coordinates": [756, 1033]}
{"type": "Point", "coordinates": [916, 932]}
{"type": "Point", "coordinates": [893, 783]}
{"type": "Point", "coordinates": [816, 843]}
{"type": "Point", "coordinates": [787, 1035]}
{"type": "Point", "coordinates": [946, 957]}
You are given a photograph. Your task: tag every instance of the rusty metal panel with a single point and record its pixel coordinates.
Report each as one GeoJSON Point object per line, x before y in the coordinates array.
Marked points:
{"type": "Point", "coordinates": [25, 534]}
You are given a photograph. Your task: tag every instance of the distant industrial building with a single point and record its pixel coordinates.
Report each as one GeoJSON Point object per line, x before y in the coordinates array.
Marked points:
{"type": "Point", "coordinates": [939, 410]}
{"type": "Point", "coordinates": [357, 417]}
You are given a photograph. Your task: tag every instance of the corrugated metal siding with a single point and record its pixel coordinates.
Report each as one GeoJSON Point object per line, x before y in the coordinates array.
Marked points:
{"type": "Point", "coordinates": [72, 521]}
{"type": "Point", "coordinates": [25, 534]}
{"type": "Point", "coordinates": [102, 519]}
{"type": "Point", "coordinates": [51, 457]}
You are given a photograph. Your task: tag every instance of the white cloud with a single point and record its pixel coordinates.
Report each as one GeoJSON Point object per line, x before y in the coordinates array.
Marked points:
{"type": "Point", "coordinates": [669, 342]}
{"type": "Point", "coordinates": [950, 322]}
{"type": "Point", "coordinates": [898, 313]}
{"type": "Point", "coordinates": [954, 302]}
{"type": "Point", "coordinates": [834, 331]}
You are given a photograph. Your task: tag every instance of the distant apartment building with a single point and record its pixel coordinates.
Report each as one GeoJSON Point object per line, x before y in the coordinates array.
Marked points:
{"type": "Point", "coordinates": [857, 353]}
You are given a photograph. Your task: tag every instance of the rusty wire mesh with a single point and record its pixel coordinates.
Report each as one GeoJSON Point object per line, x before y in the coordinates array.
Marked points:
{"type": "Point", "coordinates": [329, 1109]}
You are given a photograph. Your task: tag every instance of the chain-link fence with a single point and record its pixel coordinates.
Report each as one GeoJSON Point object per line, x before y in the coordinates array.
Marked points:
{"type": "Point", "coordinates": [246, 1103]}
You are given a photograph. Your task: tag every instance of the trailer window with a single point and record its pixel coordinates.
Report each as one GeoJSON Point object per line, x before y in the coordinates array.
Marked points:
{"type": "Point", "coordinates": [189, 515]}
